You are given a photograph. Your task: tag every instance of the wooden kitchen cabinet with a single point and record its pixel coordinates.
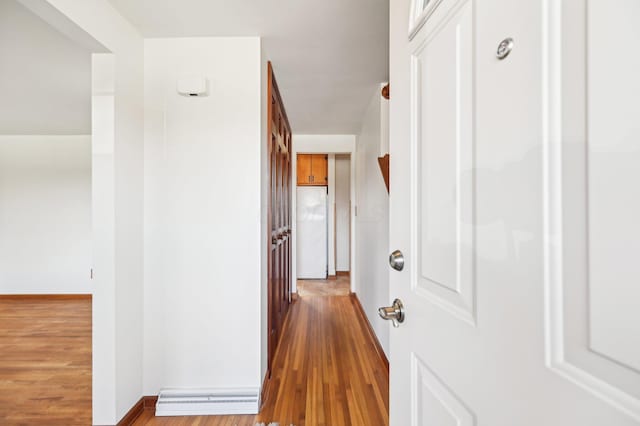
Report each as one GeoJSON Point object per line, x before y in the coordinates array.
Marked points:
{"type": "Point", "coordinates": [304, 169]}
{"type": "Point", "coordinates": [313, 169]}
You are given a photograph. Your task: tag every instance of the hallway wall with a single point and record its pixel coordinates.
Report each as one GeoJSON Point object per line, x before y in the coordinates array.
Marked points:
{"type": "Point", "coordinates": [331, 214]}
{"type": "Point", "coordinates": [372, 233]}
{"type": "Point", "coordinates": [343, 210]}
{"type": "Point", "coordinates": [265, 232]}
{"type": "Point", "coordinates": [203, 238]}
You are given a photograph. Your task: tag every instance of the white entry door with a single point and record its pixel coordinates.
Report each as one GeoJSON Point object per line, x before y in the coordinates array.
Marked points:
{"type": "Point", "coordinates": [515, 200]}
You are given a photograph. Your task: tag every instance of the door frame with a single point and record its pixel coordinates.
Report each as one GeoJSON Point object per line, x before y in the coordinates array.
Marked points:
{"type": "Point", "coordinates": [106, 134]}
{"type": "Point", "coordinates": [274, 92]}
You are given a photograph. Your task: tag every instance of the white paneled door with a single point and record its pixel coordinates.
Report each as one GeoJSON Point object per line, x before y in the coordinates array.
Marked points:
{"type": "Point", "coordinates": [515, 200]}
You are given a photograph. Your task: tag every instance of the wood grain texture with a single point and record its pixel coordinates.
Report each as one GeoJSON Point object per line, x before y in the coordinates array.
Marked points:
{"type": "Point", "coordinates": [326, 372]}
{"type": "Point", "coordinates": [32, 297]}
{"type": "Point", "coordinates": [303, 169]}
{"type": "Point", "coordinates": [45, 361]}
{"type": "Point", "coordinates": [279, 277]}
{"type": "Point", "coordinates": [133, 413]}
{"type": "Point", "coordinates": [372, 334]}
{"type": "Point", "coordinates": [150, 401]}
{"type": "Point", "coordinates": [385, 92]}
{"type": "Point", "coordinates": [148, 418]}
{"type": "Point", "coordinates": [312, 170]}
{"type": "Point", "coordinates": [338, 285]}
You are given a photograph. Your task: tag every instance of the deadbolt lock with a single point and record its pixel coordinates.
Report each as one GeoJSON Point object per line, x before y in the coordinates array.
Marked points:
{"type": "Point", "coordinates": [396, 260]}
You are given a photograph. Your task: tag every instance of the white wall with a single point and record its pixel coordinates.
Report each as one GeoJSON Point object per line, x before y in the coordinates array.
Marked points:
{"type": "Point", "coordinates": [373, 219]}
{"type": "Point", "coordinates": [117, 207]}
{"type": "Point", "coordinates": [45, 78]}
{"type": "Point", "coordinates": [265, 242]}
{"type": "Point", "coordinates": [343, 205]}
{"type": "Point", "coordinates": [331, 219]}
{"type": "Point", "coordinates": [323, 144]}
{"type": "Point", "coordinates": [45, 214]}
{"type": "Point", "coordinates": [203, 227]}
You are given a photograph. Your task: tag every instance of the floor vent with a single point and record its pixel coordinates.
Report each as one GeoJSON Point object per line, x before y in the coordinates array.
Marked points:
{"type": "Point", "coordinates": [203, 402]}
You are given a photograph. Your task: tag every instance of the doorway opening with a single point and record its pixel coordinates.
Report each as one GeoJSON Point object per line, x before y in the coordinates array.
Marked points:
{"type": "Point", "coordinates": [323, 209]}
{"type": "Point", "coordinates": [46, 243]}
{"type": "Point", "coordinates": [320, 376]}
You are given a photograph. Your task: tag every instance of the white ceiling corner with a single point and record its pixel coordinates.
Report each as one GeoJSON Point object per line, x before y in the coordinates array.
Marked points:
{"type": "Point", "coordinates": [45, 78]}
{"type": "Point", "coordinates": [329, 56]}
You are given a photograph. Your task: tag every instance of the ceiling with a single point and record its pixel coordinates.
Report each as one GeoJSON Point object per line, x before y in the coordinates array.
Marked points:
{"type": "Point", "coordinates": [328, 56]}
{"type": "Point", "coordinates": [45, 78]}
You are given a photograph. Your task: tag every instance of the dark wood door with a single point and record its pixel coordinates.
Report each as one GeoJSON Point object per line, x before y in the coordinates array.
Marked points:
{"type": "Point", "coordinates": [279, 217]}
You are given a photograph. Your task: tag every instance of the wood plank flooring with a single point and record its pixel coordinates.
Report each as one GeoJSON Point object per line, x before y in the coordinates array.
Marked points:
{"type": "Point", "coordinates": [339, 286]}
{"type": "Point", "coordinates": [45, 361]}
{"type": "Point", "coordinates": [148, 418]}
{"type": "Point", "coordinates": [326, 373]}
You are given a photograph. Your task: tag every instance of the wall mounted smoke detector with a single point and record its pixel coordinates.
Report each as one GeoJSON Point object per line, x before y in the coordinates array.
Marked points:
{"type": "Point", "coordinates": [193, 86]}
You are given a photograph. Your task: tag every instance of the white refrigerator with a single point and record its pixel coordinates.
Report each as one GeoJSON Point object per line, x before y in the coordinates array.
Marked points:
{"type": "Point", "coordinates": [311, 231]}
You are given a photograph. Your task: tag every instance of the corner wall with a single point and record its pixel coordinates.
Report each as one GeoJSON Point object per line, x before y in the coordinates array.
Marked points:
{"type": "Point", "coordinates": [117, 207]}
{"type": "Point", "coordinates": [203, 225]}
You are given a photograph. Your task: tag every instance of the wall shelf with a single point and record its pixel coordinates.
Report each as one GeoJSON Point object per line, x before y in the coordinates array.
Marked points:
{"type": "Point", "coordinates": [383, 162]}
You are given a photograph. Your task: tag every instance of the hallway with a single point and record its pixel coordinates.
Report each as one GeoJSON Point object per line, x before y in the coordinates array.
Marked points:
{"type": "Point", "coordinates": [327, 369]}
{"type": "Point", "coordinates": [327, 372]}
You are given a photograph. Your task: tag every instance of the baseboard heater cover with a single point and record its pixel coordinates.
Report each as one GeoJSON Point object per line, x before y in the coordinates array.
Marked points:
{"type": "Point", "coordinates": [203, 402]}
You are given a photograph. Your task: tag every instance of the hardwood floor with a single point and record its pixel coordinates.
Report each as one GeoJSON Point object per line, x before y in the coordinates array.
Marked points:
{"type": "Point", "coordinates": [148, 418]}
{"type": "Point", "coordinates": [339, 286]}
{"type": "Point", "coordinates": [45, 361]}
{"type": "Point", "coordinates": [326, 373]}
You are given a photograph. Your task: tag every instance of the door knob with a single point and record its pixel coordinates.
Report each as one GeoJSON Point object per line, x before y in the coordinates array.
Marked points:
{"type": "Point", "coordinates": [396, 260]}
{"type": "Point", "coordinates": [395, 313]}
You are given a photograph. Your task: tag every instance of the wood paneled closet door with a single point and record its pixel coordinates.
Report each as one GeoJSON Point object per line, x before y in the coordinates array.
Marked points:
{"type": "Point", "coordinates": [279, 216]}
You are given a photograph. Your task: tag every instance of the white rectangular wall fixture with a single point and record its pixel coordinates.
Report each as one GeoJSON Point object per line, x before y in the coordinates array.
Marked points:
{"type": "Point", "coordinates": [193, 86]}
{"type": "Point", "coordinates": [208, 402]}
